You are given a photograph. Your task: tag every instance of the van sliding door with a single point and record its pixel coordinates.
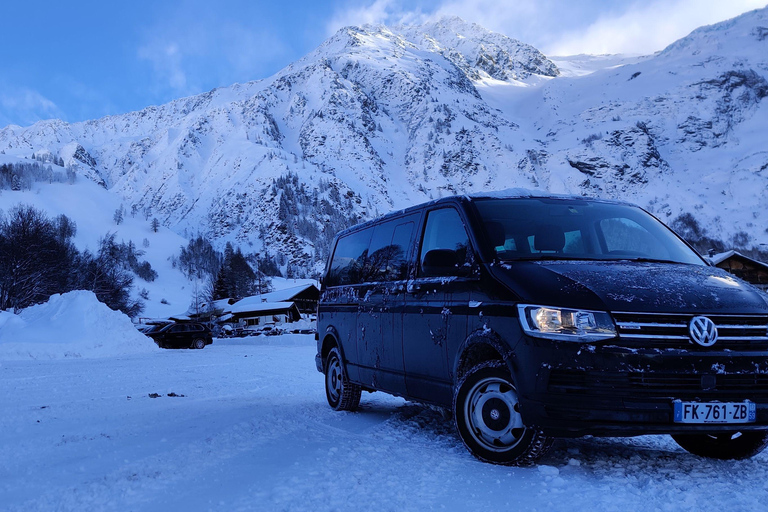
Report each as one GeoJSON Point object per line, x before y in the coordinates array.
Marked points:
{"type": "Point", "coordinates": [382, 297]}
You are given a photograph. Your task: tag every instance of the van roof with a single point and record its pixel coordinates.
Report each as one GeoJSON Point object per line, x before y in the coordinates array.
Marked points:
{"type": "Point", "coordinates": [509, 193]}
{"type": "Point", "coordinates": [521, 193]}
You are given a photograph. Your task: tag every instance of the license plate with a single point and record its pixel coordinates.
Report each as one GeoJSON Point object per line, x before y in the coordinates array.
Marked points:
{"type": "Point", "coordinates": [714, 412]}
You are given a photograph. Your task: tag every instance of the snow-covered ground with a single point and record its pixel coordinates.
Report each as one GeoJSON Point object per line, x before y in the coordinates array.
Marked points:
{"type": "Point", "coordinates": [252, 431]}
{"type": "Point", "coordinates": [92, 208]}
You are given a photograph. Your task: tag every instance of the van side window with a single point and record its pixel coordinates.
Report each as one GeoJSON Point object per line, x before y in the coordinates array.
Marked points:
{"type": "Point", "coordinates": [379, 253]}
{"type": "Point", "coordinates": [445, 240]}
{"type": "Point", "coordinates": [401, 243]}
{"type": "Point", "coordinates": [388, 252]}
{"type": "Point", "coordinates": [349, 259]}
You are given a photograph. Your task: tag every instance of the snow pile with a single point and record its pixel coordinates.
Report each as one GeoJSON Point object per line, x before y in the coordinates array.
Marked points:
{"type": "Point", "coordinates": [74, 324]}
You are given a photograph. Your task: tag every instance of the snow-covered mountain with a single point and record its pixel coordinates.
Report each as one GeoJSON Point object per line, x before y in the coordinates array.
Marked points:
{"type": "Point", "coordinates": [378, 118]}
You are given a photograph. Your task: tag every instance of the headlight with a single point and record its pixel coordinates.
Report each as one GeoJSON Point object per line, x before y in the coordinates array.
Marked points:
{"type": "Point", "coordinates": [566, 324]}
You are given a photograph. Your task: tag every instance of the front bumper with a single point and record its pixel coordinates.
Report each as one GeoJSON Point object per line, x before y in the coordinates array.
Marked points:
{"type": "Point", "coordinates": [570, 390]}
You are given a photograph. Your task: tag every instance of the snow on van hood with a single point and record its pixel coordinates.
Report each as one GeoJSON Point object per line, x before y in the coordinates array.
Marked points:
{"type": "Point", "coordinates": [633, 286]}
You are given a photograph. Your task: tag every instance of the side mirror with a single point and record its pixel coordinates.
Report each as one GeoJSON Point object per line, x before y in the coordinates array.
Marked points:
{"type": "Point", "coordinates": [444, 263]}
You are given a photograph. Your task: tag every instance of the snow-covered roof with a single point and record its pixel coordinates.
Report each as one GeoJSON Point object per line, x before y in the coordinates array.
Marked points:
{"type": "Point", "coordinates": [154, 321]}
{"type": "Point", "coordinates": [721, 257]}
{"type": "Point", "coordinates": [249, 306]}
{"type": "Point", "coordinates": [286, 293]}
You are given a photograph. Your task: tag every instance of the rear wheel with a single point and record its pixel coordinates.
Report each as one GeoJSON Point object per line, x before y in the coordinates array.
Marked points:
{"type": "Point", "coordinates": [487, 415]}
{"type": "Point", "coordinates": [342, 395]}
{"type": "Point", "coordinates": [728, 446]}
{"type": "Point", "coordinates": [198, 344]}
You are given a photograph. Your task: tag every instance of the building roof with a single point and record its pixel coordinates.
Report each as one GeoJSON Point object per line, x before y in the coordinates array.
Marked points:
{"type": "Point", "coordinates": [286, 294]}
{"type": "Point", "coordinates": [719, 258]}
{"type": "Point", "coordinates": [250, 306]}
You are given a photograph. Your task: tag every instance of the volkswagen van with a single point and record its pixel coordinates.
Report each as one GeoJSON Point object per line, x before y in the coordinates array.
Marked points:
{"type": "Point", "coordinates": [532, 317]}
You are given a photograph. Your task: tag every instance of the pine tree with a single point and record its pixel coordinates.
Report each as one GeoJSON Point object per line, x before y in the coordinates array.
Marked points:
{"type": "Point", "coordinates": [118, 216]}
{"type": "Point", "coordinates": [219, 286]}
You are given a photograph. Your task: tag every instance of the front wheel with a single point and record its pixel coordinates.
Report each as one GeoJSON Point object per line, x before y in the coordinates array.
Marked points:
{"type": "Point", "coordinates": [728, 446]}
{"type": "Point", "coordinates": [487, 415]}
{"type": "Point", "coordinates": [342, 395]}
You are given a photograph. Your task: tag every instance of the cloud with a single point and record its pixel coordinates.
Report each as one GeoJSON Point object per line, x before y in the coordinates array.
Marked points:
{"type": "Point", "coordinates": [522, 19]}
{"type": "Point", "coordinates": [385, 12]}
{"type": "Point", "coordinates": [166, 61]}
{"type": "Point", "coordinates": [560, 27]}
{"type": "Point", "coordinates": [648, 27]}
{"type": "Point", "coordinates": [189, 53]}
{"type": "Point", "coordinates": [25, 106]}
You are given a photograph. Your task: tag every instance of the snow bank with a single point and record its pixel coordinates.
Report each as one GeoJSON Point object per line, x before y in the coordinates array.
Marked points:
{"type": "Point", "coordinates": [75, 324]}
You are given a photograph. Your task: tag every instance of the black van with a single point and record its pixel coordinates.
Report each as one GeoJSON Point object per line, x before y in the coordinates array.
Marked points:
{"type": "Point", "coordinates": [538, 317]}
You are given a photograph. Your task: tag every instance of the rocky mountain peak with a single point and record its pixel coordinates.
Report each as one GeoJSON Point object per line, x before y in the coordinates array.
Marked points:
{"type": "Point", "coordinates": [479, 52]}
{"type": "Point", "coordinates": [476, 51]}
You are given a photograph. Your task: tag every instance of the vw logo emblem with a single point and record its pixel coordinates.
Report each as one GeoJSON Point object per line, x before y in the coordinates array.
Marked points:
{"type": "Point", "coordinates": [703, 331]}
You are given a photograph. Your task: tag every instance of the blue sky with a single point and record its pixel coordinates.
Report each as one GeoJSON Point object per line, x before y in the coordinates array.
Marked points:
{"type": "Point", "coordinates": [86, 59]}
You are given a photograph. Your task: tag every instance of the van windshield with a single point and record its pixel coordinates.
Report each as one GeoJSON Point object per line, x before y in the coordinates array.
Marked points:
{"type": "Point", "coordinates": [573, 229]}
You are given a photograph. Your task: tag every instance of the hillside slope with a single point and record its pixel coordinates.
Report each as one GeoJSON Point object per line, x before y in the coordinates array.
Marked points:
{"type": "Point", "coordinates": [378, 118]}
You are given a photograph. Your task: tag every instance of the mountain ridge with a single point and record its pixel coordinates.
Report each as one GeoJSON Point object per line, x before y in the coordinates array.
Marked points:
{"type": "Point", "coordinates": [377, 118]}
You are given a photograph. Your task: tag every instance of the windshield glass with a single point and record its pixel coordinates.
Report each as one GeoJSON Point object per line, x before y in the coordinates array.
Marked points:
{"type": "Point", "coordinates": [572, 229]}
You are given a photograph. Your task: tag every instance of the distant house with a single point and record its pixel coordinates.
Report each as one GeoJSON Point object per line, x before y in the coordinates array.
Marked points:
{"type": "Point", "coordinates": [751, 271]}
{"type": "Point", "coordinates": [305, 297]}
{"type": "Point", "coordinates": [252, 314]}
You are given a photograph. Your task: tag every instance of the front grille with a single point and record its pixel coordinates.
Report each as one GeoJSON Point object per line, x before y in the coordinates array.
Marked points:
{"type": "Point", "coordinates": [743, 385]}
{"type": "Point", "coordinates": [662, 330]}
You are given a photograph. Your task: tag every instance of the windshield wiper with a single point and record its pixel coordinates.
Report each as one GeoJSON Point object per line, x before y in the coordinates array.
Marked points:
{"type": "Point", "coordinates": [560, 257]}
{"type": "Point", "coordinates": [648, 260]}
{"type": "Point", "coordinates": [551, 257]}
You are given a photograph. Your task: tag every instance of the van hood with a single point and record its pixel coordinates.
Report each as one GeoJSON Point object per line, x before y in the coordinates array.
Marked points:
{"type": "Point", "coordinates": [631, 286]}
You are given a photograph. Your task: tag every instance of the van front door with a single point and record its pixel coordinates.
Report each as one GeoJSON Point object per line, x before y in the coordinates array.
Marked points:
{"type": "Point", "coordinates": [435, 320]}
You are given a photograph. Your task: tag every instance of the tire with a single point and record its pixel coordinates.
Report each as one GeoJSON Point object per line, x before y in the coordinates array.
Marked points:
{"type": "Point", "coordinates": [342, 395]}
{"type": "Point", "coordinates": [729, 446]}
{"type": "Point", "coordinates": [198, 344]}
{"type": "Point", "coordinates": [487, 418]}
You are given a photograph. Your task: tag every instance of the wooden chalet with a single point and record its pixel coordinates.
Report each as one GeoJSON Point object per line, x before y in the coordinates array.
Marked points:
{"type": "Point", "coordinates": [751, 271]}
{"type": "Point", "coordinates": [252, 314]}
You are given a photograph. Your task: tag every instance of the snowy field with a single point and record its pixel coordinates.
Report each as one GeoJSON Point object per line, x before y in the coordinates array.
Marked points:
{"type": "Point", "coordinates": [252, 431]}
